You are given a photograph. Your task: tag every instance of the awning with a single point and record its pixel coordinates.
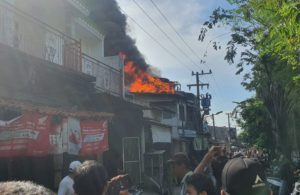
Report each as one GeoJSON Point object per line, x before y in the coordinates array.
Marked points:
{"type": "Point", "coordinates": [156, 152]}
{"type": "Point", "coordinates": [187, 133]}
{"type": "Point", "coordinates": [42, 109]}
{"type": "Point", "coordinates": [161, 134]}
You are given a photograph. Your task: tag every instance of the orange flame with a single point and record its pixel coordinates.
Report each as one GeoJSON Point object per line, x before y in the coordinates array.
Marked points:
{"type": "Point", "coordinates": [140, 81]}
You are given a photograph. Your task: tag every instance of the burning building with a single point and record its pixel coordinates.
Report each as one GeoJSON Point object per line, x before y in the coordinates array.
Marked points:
{"type": "Point", "coordinates": [140, 80]}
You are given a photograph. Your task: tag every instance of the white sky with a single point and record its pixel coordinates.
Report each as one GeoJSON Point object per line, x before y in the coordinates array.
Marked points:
{"type": "Point", "coordinates": [187, 17]}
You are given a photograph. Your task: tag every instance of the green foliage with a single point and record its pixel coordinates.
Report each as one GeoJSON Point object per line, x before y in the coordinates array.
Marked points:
{"type": "Point", "coordinates": [271, 27]}
{"type": "Point", "coordinates": [267, 32]}
{"type": "Point", "coordinates": [254, 119]}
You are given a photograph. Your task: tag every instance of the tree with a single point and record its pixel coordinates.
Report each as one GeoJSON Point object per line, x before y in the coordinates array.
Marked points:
{"type": "Point", "coordinates": [271, 27]}
{"type": "Point", "coordinates": [254, 119]}
{"type": "Point", "coordinates": [274, 59]}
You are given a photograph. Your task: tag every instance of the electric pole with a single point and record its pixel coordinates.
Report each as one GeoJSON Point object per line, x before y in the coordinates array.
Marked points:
{"type": "Point", "coordinates": [199, 85]}
{"type": "Point", "coordinates": [228, 114]}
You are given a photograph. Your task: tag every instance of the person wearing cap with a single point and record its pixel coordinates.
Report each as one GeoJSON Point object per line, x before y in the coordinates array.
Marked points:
{"type": "Point", "coordinates": [66, 184]}
{"type": "Point", "coordinates": [180, 165]}
{"type": "Point", "coordinates": [244, 176]}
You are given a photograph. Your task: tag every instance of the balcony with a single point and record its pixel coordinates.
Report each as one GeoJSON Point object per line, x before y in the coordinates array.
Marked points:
{"type": "Point", "coordinates": [108, 79]}
{"type": "Point", "coordinates": [32, 36]}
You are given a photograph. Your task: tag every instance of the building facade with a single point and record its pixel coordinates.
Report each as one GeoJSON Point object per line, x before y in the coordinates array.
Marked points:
{"type": "Point", "coordinates": [52, 66]}
{"type": "Point", "coordinates": [169, 126]}
{"type": "Point", "coordinates": [61, 32]}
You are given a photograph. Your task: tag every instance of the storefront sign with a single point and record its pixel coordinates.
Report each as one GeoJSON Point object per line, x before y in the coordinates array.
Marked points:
{"type": "Point", "coordinates": [34, 134]}
{"type": "Point", "coordinates": [94, 137]}
{"type": "Point", "coordinates": [27, 135]}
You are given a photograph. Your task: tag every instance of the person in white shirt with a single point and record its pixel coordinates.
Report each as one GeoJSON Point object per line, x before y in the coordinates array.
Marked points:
{"type": "Point", "coordinates": [66, 184]}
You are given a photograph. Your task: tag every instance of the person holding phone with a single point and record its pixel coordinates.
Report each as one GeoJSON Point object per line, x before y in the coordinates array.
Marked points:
{"type": "Point", "coordinates": [208, 158]}
{"type": "Point", "coordinates": [91, 178]}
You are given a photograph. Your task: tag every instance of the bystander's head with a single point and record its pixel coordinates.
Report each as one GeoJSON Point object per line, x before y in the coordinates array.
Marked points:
{"type": "Point", "coordinates": [23, 188]}
{"type": "Point", "coordinates": [180, 164]}
{"type": "Point", "coordinates": [198, 184]}
{"type": "Point", "coordinates": [90, 178]}
{"type": "Point", "coordinates": [244, 176]}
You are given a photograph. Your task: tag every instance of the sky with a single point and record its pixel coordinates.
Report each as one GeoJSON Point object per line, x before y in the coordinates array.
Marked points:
{"type": "Point", "coordinates": [187, 18]}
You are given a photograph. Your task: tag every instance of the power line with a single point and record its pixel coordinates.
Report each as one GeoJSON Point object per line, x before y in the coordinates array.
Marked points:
{"type": "Point", "coordinates": [167, 36]}
{"type": "Point", "coordinates": [154, 39]}
{"type": "Point", "coordinates": [218, 36]}
{"type": "Point", "coordinates": [170, 24]}
{"type": "Point", "coordinates": [182, 39]}
{"type": "Point", "coordinates": [170, 39]}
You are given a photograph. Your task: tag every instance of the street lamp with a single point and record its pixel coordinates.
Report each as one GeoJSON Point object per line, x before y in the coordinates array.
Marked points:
{"type": "Point", "coordinates": [213, 118]}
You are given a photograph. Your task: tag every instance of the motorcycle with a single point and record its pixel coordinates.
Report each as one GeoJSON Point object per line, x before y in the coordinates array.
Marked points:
{"type": "Point", "coordinates": [122, 185]}
{"type": "Point", "coordinates": [135, 190]}
{"type": "Point", "coordinates": [296, 190]}
{"type": "Point", "coordinates": [275, 185]}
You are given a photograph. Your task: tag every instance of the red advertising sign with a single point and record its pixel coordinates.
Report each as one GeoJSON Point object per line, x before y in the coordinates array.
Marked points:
{"type": "Point", "coordinates": [34, 134]}
{"type": "Point", "coordinates": [94, 137]}
{"type": "Point", "coordinates": [27, 135]}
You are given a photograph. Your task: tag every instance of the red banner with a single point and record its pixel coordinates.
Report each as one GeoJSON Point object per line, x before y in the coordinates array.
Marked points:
{"type": "Point", "coordinates": [34, 134]}
{"type": "Point", "coordinates": [27, 135]}
{"type": "Point", "coordinates": [94, 137]}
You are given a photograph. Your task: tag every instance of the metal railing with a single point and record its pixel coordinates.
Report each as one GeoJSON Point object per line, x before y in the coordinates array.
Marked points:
{"type": "Point", "coordinates": [34, 37]}
{"type": "Point", "coordinates": [108, 79]}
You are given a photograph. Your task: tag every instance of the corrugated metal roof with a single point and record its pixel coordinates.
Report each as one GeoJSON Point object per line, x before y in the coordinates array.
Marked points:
{"type": "Point", "coordinates": [27, 106]}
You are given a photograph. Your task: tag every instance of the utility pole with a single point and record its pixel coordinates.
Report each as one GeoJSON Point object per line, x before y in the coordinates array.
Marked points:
{"type": "Point", "coordinates": [213, 119]}
{"type": "Point", "coordinates": [228, 114]}
{"type": "Point", "coordinates": [199, 85]}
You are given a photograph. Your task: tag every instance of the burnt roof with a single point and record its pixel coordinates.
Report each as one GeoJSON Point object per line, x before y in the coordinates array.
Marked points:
{"type": "Point", "coordinates": [177, 94]}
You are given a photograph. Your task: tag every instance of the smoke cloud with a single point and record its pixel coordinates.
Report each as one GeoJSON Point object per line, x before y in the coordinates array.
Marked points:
{"type": "Point", "coordinates": [108, 17]}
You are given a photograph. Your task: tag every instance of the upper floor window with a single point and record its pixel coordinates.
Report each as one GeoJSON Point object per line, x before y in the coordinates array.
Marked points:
{"type": "Point", "coordinates": [157, 115]}
{"type": "Point", "coordinates": [167, 115]}
{"type": "Point", "coordinates": [190, 113]}
{"type": "Point", "coordinates": [181, 113]}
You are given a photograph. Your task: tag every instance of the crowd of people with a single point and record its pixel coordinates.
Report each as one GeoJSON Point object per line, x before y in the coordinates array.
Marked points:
{"type": "Point", "coordinates": [215, 174]}
{"type": "Point", "coordinates": [218, 174]}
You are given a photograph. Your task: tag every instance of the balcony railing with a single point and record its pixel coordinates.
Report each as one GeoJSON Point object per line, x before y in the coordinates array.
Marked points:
{"type": "Point", "coordinates": [32, 36]}
{"type": "Point", "coordinates": [108, 79]}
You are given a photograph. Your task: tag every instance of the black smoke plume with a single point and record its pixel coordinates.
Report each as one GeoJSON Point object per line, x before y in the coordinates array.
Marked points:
{"type": "Point", "coordinates": [108, 17]}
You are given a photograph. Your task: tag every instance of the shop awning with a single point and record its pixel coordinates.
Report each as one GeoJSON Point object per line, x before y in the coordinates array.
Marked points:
{"type": "Point", "coordinates": [187, 133]}
{"type": "Point", "coordinates": [161, 134]}
{"type": "Point", "coordinates": [43, 109]}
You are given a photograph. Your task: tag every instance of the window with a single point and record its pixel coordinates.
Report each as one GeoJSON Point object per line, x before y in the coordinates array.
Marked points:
{"type": "Point", "coordinates": [181, 113]}
{"type": "Point", "coordinates": [167, 115]}
{"type": "Point", "coordinates": [190, 113]}
{"type": "Point", "coordinates": [157, 115]}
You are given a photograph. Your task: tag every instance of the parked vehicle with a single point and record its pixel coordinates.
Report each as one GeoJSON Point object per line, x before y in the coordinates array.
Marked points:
{"type": "Point", "coordinates": [275, 184]}
{"type": "Point", "coordinates": [124, 186]}
{"type": "Point", "coordinates": [296, 190]}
